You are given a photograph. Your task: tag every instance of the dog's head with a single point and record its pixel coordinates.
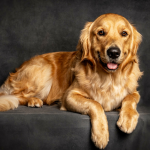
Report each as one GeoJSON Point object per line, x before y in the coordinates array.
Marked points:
{"type": "Point", "coordinates": [109, 41]}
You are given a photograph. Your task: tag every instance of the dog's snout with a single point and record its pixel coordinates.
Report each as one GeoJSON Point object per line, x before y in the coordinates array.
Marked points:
{"type": "Point", "coordinates": [113, 52]}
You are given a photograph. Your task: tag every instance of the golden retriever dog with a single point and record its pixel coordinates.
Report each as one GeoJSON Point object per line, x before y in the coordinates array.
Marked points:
{"type": "Point", "coordinates": [101, 75]}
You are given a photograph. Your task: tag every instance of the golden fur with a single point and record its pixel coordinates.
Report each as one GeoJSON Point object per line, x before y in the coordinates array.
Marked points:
{"type": "Point", "coordinates": [80, 80]}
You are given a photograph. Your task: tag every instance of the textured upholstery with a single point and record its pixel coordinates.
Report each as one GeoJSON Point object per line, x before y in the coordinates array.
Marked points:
{"type": "Point", "coordinates": [48, 128]}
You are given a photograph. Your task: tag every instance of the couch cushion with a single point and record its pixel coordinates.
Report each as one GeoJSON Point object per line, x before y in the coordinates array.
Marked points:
{"type": "Point", "coordinates": [49, 128]}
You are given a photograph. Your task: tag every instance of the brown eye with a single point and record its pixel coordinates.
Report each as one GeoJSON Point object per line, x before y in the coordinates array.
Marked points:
{"type": "Point", "coordinates": [101, 33]}
{"type": "Point", "coordinates": [124, 33]}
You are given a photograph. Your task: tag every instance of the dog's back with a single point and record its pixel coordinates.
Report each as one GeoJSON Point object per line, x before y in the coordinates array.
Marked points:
{"type": "Point", "coordinates": [43, 78]}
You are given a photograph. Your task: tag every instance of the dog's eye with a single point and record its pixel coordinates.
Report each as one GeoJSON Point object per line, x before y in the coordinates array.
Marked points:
{"type": "Point", "coordinates": [101, 33]}
{"type": "Point", "coordinates": [124, 33]}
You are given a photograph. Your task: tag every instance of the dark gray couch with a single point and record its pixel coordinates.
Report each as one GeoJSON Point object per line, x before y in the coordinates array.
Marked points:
{"type": "Point", "coordinates": [33, 27]}
{"type": "Point", "coordinates": [48, 128]}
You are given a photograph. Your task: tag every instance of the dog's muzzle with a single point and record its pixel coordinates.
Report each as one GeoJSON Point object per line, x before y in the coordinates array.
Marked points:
{"type": "Point", "coordinates": [113, 53]}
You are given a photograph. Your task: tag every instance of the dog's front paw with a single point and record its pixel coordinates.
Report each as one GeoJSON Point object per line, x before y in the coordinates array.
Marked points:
{"type": "Point", "coordinates": [100, 135]}
{"type": "Point", "coordinates": [128, 120]}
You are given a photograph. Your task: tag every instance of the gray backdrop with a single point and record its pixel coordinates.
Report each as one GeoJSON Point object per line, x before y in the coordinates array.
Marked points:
{"type": "Point", "coordinates": [33, 27]}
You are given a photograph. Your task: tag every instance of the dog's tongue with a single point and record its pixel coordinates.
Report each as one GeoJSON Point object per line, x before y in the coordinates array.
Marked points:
{"type": "Point", "coordinates": [112, 66]}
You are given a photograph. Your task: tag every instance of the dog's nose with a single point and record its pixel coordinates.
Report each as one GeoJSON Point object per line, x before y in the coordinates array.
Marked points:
{"type": "Point", "coordinates": [113, 52]}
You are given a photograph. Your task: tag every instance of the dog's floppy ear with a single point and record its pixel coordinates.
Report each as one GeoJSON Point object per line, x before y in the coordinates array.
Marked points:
{"type": "Point", "coordinates": [136, 40]}
{"type": "Point", "coordinates": [84, 44]}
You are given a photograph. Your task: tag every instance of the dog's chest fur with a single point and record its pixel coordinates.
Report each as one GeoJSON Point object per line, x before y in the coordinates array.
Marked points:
{"type": "Point", "coordinates": [108, 90]}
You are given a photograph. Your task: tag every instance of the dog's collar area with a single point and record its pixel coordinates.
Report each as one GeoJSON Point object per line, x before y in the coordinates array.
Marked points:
{"type": "Point", "coordinates": [111, 66]}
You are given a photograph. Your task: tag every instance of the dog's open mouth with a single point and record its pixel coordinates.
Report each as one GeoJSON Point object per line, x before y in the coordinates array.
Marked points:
{"type": "Point", "coordinates": [111, 66]}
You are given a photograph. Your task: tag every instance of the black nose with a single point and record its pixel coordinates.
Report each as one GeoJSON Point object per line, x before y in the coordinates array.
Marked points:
{"type": "Point", "coordinates": [113, 52]}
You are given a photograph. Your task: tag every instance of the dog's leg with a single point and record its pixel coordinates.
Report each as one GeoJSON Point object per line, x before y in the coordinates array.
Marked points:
{"type": "Point", "coordinates": [77, 101]}
{"type": "Point", "coordinates": [128, 115]}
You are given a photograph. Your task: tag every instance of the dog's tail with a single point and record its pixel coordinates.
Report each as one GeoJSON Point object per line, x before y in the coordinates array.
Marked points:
{"type": "Point", "coordinates": [7, 100]}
